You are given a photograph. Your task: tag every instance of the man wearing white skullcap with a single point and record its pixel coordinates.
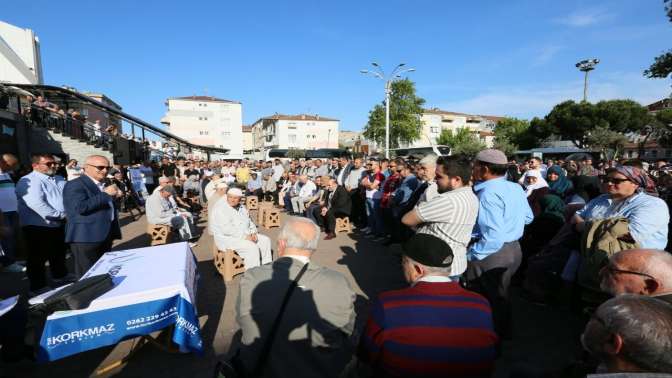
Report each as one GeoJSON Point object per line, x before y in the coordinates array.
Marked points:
{"type": "Point", "coordinates": [233, 229]}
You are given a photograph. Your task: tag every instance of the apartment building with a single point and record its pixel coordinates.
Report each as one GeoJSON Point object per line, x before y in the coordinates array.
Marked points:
{"type": "Point", "coordinates": [301, 131]}
{"type": "Point", "coordinates": [435, 120]}
{"type": "Point", "coordinates": [208, 121]}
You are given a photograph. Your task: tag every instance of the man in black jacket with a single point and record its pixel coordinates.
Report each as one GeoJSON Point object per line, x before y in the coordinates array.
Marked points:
{"type": "Point", "coordinates": [338, 205]}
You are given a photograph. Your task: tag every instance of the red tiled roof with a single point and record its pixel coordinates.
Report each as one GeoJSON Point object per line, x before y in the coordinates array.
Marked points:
{"type": "Point", "coordinates": [204, 99]}
{"type": "Point", "coordinates": [299, 117]}
{"type": "Point", "coordinates": [247, 129]}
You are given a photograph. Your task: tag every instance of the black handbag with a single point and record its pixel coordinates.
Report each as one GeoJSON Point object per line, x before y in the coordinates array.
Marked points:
{"type": "Point", "coordinates": [233, 368]}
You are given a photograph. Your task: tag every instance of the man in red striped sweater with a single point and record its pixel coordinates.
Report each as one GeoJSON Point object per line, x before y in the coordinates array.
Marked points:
{"type": "Point", "coordinates": [435, 328]}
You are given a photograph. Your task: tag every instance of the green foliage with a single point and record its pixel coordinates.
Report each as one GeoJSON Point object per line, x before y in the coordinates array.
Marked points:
{"type": "Point", "coordinates": [575, 121]}
{"type": "Point", "coordinates": [405, 112]}
{"type": "Point", "coordinates": [661, 127]}
{"type": "Point", "coordinates": [295, 153]}
{"type": "Point", "coordinates": [513, 133]}
{"type": "Point", "coordinates": [463, 142]}
{"type": "Point", "coordinates": [609, 142]}
{"type": "Point", "coordinates": [662, 65]}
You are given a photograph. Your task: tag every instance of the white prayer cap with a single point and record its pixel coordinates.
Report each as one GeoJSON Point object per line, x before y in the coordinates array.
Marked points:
{"type": "Point", "coordinates": [235, 192]}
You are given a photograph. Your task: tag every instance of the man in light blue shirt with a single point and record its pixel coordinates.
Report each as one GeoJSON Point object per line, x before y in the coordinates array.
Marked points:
{"type": "Point", "coordinates": [42, 218]}
{"type": "Point", "coordinates": [503, 212]}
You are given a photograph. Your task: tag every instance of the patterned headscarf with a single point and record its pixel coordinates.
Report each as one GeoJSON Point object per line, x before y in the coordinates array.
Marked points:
{"type": "Point", "coordinates": [638, 176]}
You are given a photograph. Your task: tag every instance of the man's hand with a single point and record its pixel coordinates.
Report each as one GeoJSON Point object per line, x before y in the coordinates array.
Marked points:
{"type": "Point", "coordinates": [252, 238]}
{"type": "Point", "coordinates": [112, 190]}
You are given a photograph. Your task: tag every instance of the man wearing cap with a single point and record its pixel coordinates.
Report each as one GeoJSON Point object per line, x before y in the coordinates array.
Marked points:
{"type": "Point", "coordinates": [232, 228]}
{"type": "Point", "coordinates": [162, 211]}
{"type": "Point", "coordinates": [502, 215]}
{"type": "Point", "coordinates": [434, 328]}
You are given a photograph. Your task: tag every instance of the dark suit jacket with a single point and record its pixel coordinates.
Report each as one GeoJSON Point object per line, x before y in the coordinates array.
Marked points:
{"type": "Point", "coordinates": [87, 211]}
{"type": "Point", "coordinates": [340, 201]}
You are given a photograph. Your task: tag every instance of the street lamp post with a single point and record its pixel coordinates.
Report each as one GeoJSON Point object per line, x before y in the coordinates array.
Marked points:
{"type": "Point", "coordinates": [586, 66]}
{"type": "Point", "coordinates": [380, 74]}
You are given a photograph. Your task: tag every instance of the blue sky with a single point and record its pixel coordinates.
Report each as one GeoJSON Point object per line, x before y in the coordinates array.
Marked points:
{"type": "Point", "coordinates": [511, 58]}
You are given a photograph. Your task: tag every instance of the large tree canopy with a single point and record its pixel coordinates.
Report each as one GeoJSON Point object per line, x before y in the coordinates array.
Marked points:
{"type": "Point", "coordinates": [575, 121]}
{"type": "Point", "coordinates": [405, 112]}
{"type": "Point", "coordinates": [462, 142]}
{"type": "Point", "coordinates": [662, 65]}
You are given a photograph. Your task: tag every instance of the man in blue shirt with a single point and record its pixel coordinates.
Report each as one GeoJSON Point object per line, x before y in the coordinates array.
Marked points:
{"type": "Point", "coordinates": [42, 219]}
{"type": "Point", "coordinates": [503, 212]}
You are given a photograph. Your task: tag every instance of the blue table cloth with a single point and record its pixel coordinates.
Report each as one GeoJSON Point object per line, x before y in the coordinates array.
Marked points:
{"type": "Point", "coordinates": [155, 288]}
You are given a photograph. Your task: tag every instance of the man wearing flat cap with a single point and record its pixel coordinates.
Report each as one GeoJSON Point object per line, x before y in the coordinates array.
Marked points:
{"type": "Point", "coordinates": [502, 215]}
{"type": "Point", "coordinates": [434, 320]}
{"type": "Point", "coordinates": [233, 229]}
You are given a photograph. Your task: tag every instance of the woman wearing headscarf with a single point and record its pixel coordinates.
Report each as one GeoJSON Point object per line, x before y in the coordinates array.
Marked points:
{"type": "Point", "coordinates": [543, 228]}
{"type": "Point", "coordinates": [558, 183]}
{"type": "Point", "coordinates": [626, 196]}
{"type": "Point", "coordinates": [535, 188]}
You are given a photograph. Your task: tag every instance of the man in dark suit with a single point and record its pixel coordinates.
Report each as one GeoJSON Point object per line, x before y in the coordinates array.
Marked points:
{"type": "Point", "coordinates": [338, 205]}
{"type": "Point", "coordinates": [92, 221]}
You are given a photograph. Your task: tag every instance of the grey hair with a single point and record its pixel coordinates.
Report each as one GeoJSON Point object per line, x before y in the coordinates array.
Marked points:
{"type": "Point", "coordinates": [429, 160]}
{"type": "Point", "coordinates": [163, 179]}
{"type": "Point", "coordinates": [295, 238]}
{"type": "Point", "coordinates": [645, 325]}
{"type": "Point", "coordinates": [659, 265]}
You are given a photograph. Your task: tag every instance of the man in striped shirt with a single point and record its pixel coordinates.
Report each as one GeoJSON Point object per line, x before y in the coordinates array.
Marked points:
{"type": "Point", "coordinates": [434, 328]}
{"type": "Point", "coordinates": [452, 213]}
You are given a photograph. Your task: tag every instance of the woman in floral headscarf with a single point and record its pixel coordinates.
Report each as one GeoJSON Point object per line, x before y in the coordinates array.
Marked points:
{"type": "Point", "coordinates": [626, 196]}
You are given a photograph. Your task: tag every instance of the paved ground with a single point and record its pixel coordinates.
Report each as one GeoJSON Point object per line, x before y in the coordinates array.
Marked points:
{"type": "Point", "coordinates": [543, 337]}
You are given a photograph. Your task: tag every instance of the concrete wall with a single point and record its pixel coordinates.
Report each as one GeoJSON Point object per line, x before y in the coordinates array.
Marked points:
{"type": "Point", "coordinates": [19, 55]}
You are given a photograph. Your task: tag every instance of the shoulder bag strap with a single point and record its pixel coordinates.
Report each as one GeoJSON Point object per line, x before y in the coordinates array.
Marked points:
{"type": "Point", "coordinates": [266, 348]}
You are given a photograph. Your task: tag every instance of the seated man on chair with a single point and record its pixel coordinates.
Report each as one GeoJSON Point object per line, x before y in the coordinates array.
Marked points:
{"type": "Point", "coordinates": [162, 211]}
{"type": "Point", "coordinates": [338, 205]}
{"type": "Point", "coordinates": [305, 194]}
{"type": "Point", "coordinates": [233, 229]}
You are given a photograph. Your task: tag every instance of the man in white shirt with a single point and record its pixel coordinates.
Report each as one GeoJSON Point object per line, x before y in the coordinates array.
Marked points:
{"type": "Point", "coordinates": [305, 194]}
{"type": "Point", "coordinates": [162, 211]}
{"type": "Point", "coordinates": [278, 170]}
{"type": "Point", "coordinates": [233, 229]}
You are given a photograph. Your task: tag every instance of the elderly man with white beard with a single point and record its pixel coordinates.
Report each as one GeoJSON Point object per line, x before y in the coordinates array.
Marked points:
{"type": "Point", "coordinates": [233, 229]}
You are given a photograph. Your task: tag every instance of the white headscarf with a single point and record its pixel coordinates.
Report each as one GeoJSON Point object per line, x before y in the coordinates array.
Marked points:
{"type": "Point", "coordinates": [541, 183]}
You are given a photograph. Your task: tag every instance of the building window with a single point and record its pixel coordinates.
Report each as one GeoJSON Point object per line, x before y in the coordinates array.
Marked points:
{"type": "Point", "coordinates": [434, 130]}
{"type": "Point", "coordinates": [204, 132]}
{"type": "Point", "coordinates": [292, 139]}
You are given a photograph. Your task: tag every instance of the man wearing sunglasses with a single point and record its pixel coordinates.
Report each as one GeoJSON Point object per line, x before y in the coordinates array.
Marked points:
{"type": "Point", "coordinates": [42, 217]}
{"type": "Point", "coordinates": [92, 219]}
{"type": "Point", "coordinates": [639, 271]}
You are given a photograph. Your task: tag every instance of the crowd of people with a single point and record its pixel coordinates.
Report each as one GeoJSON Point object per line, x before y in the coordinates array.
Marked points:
{"type": "Point", "coordinates": [469, 230]}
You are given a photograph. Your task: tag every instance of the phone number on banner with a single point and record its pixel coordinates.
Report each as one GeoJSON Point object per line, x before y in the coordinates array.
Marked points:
{"type": "Point", "coordinates": [144, 321]}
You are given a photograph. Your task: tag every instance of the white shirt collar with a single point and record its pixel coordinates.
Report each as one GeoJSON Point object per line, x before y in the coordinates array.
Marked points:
{"type": "Point", "coordinates": [302, 259]}
{"type": "Point", "coordinates": [434, 279]}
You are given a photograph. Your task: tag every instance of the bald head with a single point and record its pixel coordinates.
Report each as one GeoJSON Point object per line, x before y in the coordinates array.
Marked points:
{"type": "Point", "coordinates": [96, 167]}
{"type": "Point", "coordinates": [638, 271]}
{"type": "Point", "coordinates": [299, 236]}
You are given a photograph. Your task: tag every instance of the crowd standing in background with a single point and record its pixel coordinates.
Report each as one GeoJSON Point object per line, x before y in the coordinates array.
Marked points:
{"type": "Point", "coordinates": [469, 230]}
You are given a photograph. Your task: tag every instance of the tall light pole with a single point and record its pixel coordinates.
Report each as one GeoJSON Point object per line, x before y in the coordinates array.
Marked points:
{"type": "Point", "coordinates": [380, 74]}
{"type": "Point", "coordinates": [586, 66]}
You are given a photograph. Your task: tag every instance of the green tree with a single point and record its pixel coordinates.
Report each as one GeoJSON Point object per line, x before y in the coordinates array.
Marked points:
{"type": "Point", "coordinates": [516, 133]}
{"type": "Point", "coordinates": [405, 112]}
{"type": "Point", "coordinates": [660, 128]}
{"type": "Point", "coordinates": [575, 121]}
{"type": "Point", "coordinates": [662, 65]}
{"type": "Point", "coordinates": [462, 142]}
{"type": "Point", "coordinates": [609, 143]}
